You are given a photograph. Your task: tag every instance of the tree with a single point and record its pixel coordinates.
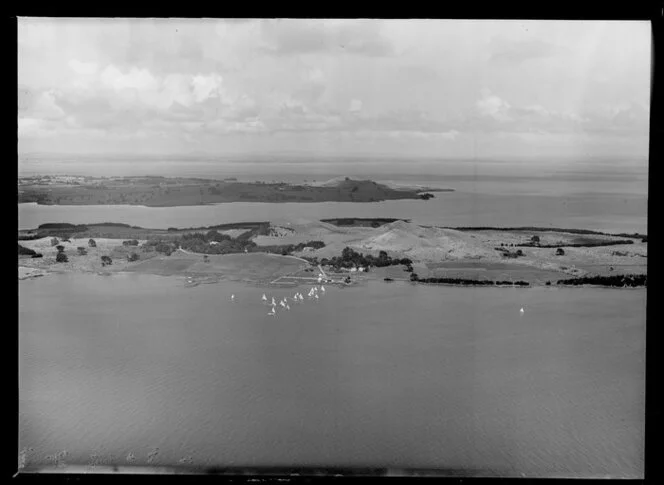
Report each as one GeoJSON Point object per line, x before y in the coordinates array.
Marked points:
{"type": "Point", "coordinates": [535, 239]}
{"type": "Point", "coordinates": [519, 252]}
{"type": "Point", "coordinates": [92, 243]}
{"type": "Point", "coordinates": [413, 277]}
{"type": "Point", "coordinates": [560, 252]}
{"type": "Point", "coordinates": [82, 251]}
{"type": "Point", "coordinates": [54, 241]}
{"type": "Point", "coordinates": [61, 257]}
{"type": "Point", "coordinates": [133, 257]}
{"type": "Point", "coordinates": [106, 260]}
{"type": "Point", "coordinates": [60, 248]}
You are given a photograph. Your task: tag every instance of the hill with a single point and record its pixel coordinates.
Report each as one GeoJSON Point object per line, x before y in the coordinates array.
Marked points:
{"type": "Point", "coordinates": [419, 242]}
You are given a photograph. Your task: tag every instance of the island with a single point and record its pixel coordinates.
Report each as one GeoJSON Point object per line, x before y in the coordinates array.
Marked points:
{"type": "Point", "coordinates": [343, 251]}
{"type": "Point", "coordinates": [155, 191]}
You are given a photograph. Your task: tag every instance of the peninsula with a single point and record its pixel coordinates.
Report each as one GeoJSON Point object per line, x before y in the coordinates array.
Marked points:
{"type": "Point", "coordinates": [154, 191]}
{"type": "Point", "coordinates": [346, 250]}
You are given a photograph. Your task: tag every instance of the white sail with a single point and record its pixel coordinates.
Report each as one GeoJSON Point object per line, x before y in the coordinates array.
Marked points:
{"type": "Point", "coordinates": [322, 288]}
{"type": "Point", "coordinates": [264, 297]}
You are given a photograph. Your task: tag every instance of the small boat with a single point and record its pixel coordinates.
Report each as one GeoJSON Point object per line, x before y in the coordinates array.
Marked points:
{"type": "Point", "coordinates": [232, 297]}
{"type": "Point", "coordinates": [521, 311]}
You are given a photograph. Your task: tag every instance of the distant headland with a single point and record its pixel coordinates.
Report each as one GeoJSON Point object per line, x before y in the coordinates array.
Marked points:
{"type": "Point", "coordinates": [155, 191]}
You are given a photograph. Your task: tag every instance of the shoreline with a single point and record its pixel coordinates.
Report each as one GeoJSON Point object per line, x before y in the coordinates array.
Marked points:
{"type": "Point", "coordinates": [201, 279]}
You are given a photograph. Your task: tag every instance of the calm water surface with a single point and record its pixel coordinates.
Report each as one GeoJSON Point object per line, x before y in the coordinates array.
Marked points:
{"type": "Point", "coordinates": [379, 375]}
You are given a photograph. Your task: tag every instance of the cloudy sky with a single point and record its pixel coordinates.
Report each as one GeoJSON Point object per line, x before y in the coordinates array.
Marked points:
{"type": "Point", "coordinates": [444, 88]}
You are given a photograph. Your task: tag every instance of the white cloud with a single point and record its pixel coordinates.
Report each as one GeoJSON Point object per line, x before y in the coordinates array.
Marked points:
{"type": "Point", "coordinates": [83, 68]}
{"type": "Point", "coordinates": [207, 87]}
{"type": "Point", "coordinates": [492, 106]}
{"type": "Point", "coordinates": [355, 106]}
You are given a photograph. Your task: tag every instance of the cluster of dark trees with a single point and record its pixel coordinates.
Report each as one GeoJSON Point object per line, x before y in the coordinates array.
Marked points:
{"type": "Point", "coordinates": [61, 257]}
{"type": "Point", "coordinates": [467, 282]}
{"type": "Point", "coordinates": [506, 253]}
{"type": "Point", "coordinates": [161, 246]}
{"type": "Point", "coordinates": [588, 244]}
{"type": "Point", "coordinates": [425, 196]}
{"type": "Point", "coordinates": [199, 242]}
{"type": "Point", "coordinates": [106, 260]}
{"type": "Point", "coordinates": [131, 242]}
{"type": "Point", "coordinates": [23, 251]}
{"type": "Point", "coordinates": [286, 249]}
{"type": "Point", "coordinates": [617, 280]}
{"type": "Point", "coordinates": [350, 258]}
{"type": "Point", "coordinates": [214, 242]}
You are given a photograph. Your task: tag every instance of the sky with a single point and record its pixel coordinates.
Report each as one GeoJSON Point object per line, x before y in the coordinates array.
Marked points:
{"type": "Point", "coordinates": [420, 88]}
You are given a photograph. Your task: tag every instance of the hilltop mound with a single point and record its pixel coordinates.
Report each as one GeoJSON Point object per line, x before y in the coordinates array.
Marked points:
{"type": "Point", "coordinates": [333, 182]}
{"type": "Point", "coordinates": [425, 243]}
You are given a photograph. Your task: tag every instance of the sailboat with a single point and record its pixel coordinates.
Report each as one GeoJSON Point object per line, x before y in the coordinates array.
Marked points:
{"type": "Point", "coordinates": [316, 296]}
{"type": "Point", "coordinates": [232, 297]}
{"type": "Point", "coordinates": [282, 303]}
{"type": "Point", "coordinates": [264, 297]}
{"type": "Point", "coordinates": [322, 288]}
{"type": "Point", "coordinates": [272, 312]}
{"type": "Point", "coordinates": [273, 302]}
{"type": "Point", "coordinates": [287, 306]}
{"type": "Point", "coordinates": [521, 311]}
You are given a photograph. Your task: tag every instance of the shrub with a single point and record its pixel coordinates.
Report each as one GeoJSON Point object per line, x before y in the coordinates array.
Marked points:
{"type": "Point", "coordinates": [535, 239]}
{"type": "Point", "coordinates": [519, 252]}
{"type": "Point", "coordinates": [133, 257]}
{"type": "Point", "coordinates": [560, 252]}
{"type": "Point", "coordinates": [131, 242]}
{"type": "Point", "coordinates": [60, 248]}
{"type": "Point", "coordinates": [106, 260]}
{"type": "Point", "coordinates": [92, 243]}
{"type": "Point", "coordinates": [54, 241]}
{"type": "Point", "coordinates": [38, 255]}
{"type": "Point", "coordinates": [61, 258]}
{"type": "Point", "coordinates": [22, 250]}
{"type": "Point", "coordinates": [82, 251]}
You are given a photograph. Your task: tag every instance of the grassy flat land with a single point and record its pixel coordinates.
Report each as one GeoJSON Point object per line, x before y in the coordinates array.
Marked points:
{"type": "Point", "coordinates": [171, 192]}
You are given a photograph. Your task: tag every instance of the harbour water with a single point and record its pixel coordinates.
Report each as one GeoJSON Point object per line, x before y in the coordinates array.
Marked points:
{"type": "Point", "coordinates": [137, 369]}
